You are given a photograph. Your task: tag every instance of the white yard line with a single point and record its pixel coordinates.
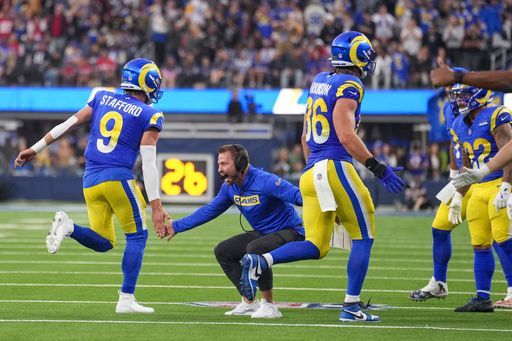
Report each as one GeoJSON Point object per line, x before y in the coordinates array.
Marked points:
{"type": "Point", "coordinates": [201, 287]}
{"type": "Point", "coordinates": [292, 325]}
{"type": "Point", "coordinates": [219, 274]}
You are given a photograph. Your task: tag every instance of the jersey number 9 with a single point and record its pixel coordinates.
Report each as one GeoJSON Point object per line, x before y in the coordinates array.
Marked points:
{"type": "Point", "coordinates": [110, 135]}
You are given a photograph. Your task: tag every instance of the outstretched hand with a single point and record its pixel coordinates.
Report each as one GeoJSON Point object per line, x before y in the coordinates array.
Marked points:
{"type": "Point", "coordinates": [24, 156]}
{"type": "Point", "coordinates": [391, 180]}
{"type": "Point", "coordinates": [443, 75]}
{"type": "Point", "coordinates": [161, 220]}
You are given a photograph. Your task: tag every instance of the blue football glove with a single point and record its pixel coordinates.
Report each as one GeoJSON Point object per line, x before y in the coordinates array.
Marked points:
{"type": "Point", "coordinates": [386, 175]}
{"type": "Point", "coordinates": [391, 181]}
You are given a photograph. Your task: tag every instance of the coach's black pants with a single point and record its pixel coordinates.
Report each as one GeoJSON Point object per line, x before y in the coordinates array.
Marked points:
{"type": "Point", "coordinates": [230, 251]}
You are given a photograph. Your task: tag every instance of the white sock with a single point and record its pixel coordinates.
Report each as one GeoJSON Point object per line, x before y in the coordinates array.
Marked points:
{"type": "Point", "coordinates": [352, 298]}
{"type": "Point", "coordinates": [269, 259]}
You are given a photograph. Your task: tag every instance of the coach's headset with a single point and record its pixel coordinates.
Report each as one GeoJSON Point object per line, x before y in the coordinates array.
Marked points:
{"type": "Point", "coordinates": [242, 158]}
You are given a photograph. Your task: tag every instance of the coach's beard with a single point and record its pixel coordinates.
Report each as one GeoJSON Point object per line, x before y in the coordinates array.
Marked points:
{"type": "Point", "coordinates": [233, 178]}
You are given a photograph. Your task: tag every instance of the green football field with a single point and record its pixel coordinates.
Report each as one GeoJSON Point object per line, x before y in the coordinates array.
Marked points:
{"type": "Point", "coordinates": [72, 295]}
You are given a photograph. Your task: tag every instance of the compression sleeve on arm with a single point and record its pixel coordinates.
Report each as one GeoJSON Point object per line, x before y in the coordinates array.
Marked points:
{"type": "Point", "coordinates": [150, 172]}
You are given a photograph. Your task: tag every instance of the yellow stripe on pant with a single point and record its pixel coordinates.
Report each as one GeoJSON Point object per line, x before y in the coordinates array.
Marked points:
{"type": "Point", "coordinates": [355, 206]}
{"type": "Point", "coordinates": [122, 198]}
{"type": "Point", "coordinates": [485, 223]}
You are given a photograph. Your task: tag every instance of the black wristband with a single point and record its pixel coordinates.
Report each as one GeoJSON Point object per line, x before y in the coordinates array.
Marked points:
{"type": "Point", "coordinates": [374, 166]}
{"type": "Point", "coordinates": [458, 74]}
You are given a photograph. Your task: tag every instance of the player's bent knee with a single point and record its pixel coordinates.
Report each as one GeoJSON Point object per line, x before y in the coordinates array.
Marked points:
{"type": "Point", "coordinates": [103, 246]}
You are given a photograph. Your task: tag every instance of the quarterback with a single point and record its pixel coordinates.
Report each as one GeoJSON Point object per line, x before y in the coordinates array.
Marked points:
{"type": "Point", "coordinates": [122, 126]}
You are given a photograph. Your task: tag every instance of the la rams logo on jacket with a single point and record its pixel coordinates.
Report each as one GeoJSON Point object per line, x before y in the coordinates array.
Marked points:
{"type": "Point", "coordinates": [246, 201]}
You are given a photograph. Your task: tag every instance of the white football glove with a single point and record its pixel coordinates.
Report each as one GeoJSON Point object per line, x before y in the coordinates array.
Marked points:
{"type": "Point", "coordinates": [501, 199]}
{"type": "Point", "coordinates": [454, 215]}
{"type": "Point", "coordinates": [470, 176]}
{"type": "Point", "coordinates": [509, 207]}
{"type": "Point", "coordinates": [453, 173]}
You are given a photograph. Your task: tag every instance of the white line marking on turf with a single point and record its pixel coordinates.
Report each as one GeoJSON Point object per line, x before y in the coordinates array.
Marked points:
{"type": "Point", "coordinates": [166, 286]}
{"type": "Point", "coordinates": [292, 325]}
{"type": "Point", "coordinates": [215, 265]}
{"type": "Point", "coordinates": [191, 304]}
{"type": "Point", "coordinates": [208, 274]}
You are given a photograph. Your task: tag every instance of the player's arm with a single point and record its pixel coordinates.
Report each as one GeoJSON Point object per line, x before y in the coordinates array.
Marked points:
{"type": "Point", "coordinates": [80, 118]}
{"type": "Point", "coordinates": [494, 80]}
{"type": "Point", "coordinates": [344, 124]}
{"type": "Point", "coordinates": [466, 163]}
{"type": "Point", "coordinates": [151, 181]}
{"type": "Point", "coordinates": [502, 135]}
{"type": "Point", "coordinates": [305, 147]}
{"type": "Point", "coordinates": [454, 170]}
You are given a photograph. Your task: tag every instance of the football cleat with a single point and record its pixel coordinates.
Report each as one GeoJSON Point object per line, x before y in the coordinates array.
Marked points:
{"type": "Point", "coordinates": [252, 267]}
{"type": "Point", "coordinates": [62, 227]}
{"type": "Point", "coordinates": [505, 303]}
{"type": "Point", "coordinates": [267, 310]}
{"type": "Point", "coordinates": [353, 313]}
{"type": "Point", "coordinates": [434, 289]}
{"type": "Point", "coordinates": [476, 305]}
{"type": "Point", "coordinates": [244, 308]}
{"type": "Point", "coordinates": [128, 304]}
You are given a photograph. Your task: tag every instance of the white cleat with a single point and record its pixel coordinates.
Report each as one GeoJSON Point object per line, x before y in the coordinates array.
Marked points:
{"type": "Point", "coordinates": [128, 304]}
{"type": "Point", "coordinates": [244, 309]}
{"type": "Point", "coordinates": [505, 303]}
{"type": "Point", "coordinates": [267, 310]}
{"type": "Point", "coordinates": [434, 289]}
{"type": "Point", "coordinates": [62, 227]}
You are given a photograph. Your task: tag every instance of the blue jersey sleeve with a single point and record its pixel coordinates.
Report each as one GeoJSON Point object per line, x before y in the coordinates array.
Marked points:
{"type": "Point", "coordinates": [351, 88]}
{"type": "Point", "coordinates": [155, 121]}
{"type": "Point", "coordinates": [500, 115]}
{"type": "Point", "coordinates": [282, 189]}
{"type": "Point", "coordinates": [208, 212]}
{"type": "Point", "coordinates": [94, 101]}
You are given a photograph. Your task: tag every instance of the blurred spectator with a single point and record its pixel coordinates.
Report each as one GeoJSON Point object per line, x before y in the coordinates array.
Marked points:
{"type": "Point", "coordinates": [416, 197]}
{"type": "Point", "coordinates": [453, 37]}
{"type": "Point", "coordinates": [417, 163]}
{"type": "Point", "coordinates": [235, 111]}
{"type": "Point", "coordinates": [382, 76]}
{"type": "Point", "coordinates": [434, 162]}
{"type": "Point", "coordinates": [281, 166]}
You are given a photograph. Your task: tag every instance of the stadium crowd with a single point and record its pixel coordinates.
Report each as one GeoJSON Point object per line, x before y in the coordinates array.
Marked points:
{"type": "Point", "coordinates": [247, 43]}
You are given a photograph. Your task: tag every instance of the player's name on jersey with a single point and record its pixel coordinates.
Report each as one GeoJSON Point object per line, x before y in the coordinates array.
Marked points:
{"type": "Point", "coordinates": [117, 104]}
{"type": "Point", "coordinates": [320, 88]}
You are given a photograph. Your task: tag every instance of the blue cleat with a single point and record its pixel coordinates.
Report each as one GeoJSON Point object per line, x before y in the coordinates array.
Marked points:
{"type": "Point", "coordinates": [353, 313]}
{"type": "Point", "coordinates": [252, 267]}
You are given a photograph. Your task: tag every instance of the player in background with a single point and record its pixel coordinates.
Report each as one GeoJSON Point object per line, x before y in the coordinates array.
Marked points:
{"type": "Point", "coordinates": [122, 125]}
{"type": "Point", "coordinates": [265, 200]}
{"type": "Point", "coordinates": [329, 185]}
{"type": "Point", "coordinates": [441, 227]}
{"type": "Point", "coordinates": [482, 129]}
{"type": "Point", "coordinates": [492, 80]}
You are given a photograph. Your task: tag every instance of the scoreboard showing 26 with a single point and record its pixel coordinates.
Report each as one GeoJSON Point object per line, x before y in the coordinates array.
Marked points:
{"type": "Point", "coordinates": [186, 178]}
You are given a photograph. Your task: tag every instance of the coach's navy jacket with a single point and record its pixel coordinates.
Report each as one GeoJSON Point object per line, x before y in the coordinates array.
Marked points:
{"type": "Point", "coordinates": [264, 199]}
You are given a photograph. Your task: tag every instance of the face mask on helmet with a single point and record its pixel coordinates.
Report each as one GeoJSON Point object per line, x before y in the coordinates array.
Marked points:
{"type": "Point", "coordinates": [353, 49]}
{"type": "Point", "coordinates": [143, 75]}
{"type": "Point", "coordinates": [451, 98]}
{"type": "Point", "coordinates": [469, 98]}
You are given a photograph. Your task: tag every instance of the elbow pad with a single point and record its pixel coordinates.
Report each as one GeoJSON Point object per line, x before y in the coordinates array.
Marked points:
{"type": "Point", "coordinates": [150, 172]}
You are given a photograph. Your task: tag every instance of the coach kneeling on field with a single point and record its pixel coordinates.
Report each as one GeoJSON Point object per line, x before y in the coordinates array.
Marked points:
{"type": "Point", "coordinates": [266, 201]}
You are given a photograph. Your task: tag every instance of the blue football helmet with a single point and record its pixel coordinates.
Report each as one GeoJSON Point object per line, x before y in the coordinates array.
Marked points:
{"type": "Point", "coordinates": [353, 49]}
{"type": "Point", "coordinates": [451, 98]}
{"type": "Point", "coordinates": [469, 98]}
{"type": "Point", "coordinates": [142, 74]}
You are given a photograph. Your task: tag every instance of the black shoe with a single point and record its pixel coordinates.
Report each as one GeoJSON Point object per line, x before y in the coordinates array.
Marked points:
{"type": "Point", "coordinates": [476, 305]}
